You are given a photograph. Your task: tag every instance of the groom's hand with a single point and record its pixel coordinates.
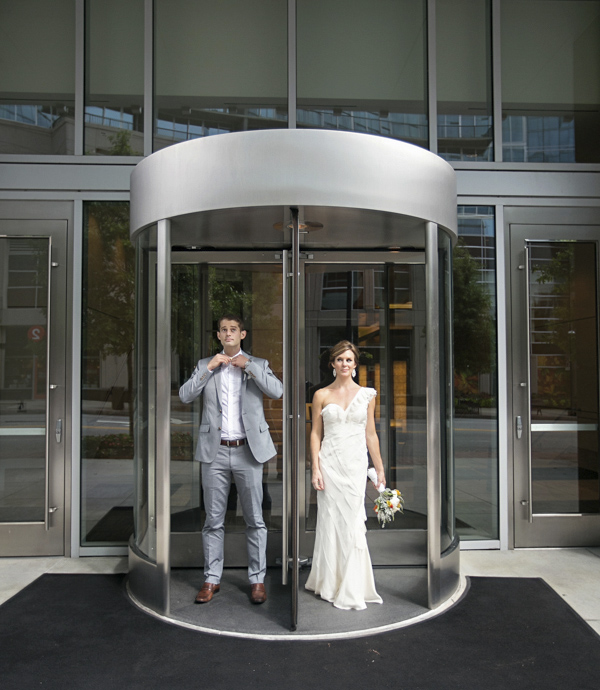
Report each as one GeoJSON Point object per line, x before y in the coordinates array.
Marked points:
{"type": "Point", "coordinates": [239, 361]}
{"type": "Point", "coordinates": [217, 360]}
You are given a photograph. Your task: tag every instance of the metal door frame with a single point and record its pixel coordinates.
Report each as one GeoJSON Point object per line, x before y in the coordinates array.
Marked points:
{"type": "Point", "coordinates": [48, 538]}
{"type": "Point", "coordinates": [538, 225]}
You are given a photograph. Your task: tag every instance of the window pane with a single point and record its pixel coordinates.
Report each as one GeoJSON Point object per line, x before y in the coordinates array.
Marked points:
{"type": "Point", "coordinates": [465, 127]}
{"type": "Point", "coordinates": [37, 79]}
{"type": "Point", "coordinates": [23, 364]}
{"type": "Point", "coordinates": [361, 67]}
{"type": "Point", "coordinates": [563, 341]}
{"type": "Point", "coordinates": [220, 67]}
{"type": "Point", "coordinates": [114, 96]}
{"type": "Point", "coordinates": [106, 373]}
{"type": "Point", "coordinates": [475, 375]}
{"type": "Point", "coordinates": [551, 80]}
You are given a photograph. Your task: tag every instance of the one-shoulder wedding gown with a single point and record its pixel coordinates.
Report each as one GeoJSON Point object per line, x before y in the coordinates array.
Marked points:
{"type": "Point", "coordinates": [341, 568]}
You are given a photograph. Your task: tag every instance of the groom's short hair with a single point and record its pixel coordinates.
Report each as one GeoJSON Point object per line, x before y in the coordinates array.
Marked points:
{"type": "Point", "coordinates": [231, 317]}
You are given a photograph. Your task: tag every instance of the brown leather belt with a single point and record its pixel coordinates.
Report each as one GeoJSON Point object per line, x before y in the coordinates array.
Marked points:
{"type": "Point", "coordinates": [233, 444]}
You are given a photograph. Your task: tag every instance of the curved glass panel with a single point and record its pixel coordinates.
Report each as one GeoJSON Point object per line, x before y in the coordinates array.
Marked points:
{"type": "Point", "coordinates": [219, 67]}
{"type": "Point", "coordinates": [362, 67]}
{"type": "Point", "coordinates": [446, 390]}
{"type": "Point", "coordinates": [145, 398]}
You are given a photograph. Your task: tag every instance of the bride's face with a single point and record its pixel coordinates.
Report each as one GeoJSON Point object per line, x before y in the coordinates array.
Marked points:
{"type": "Point", "coordinates": [344, 364]}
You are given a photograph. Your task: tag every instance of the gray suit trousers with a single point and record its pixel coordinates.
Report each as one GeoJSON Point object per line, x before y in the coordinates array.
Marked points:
{"type": "Point", "coordinates": [247, 473]}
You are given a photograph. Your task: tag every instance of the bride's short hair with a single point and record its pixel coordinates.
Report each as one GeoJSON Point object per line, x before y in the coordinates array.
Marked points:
{"type": "Point", "coordinates": [342, 346]}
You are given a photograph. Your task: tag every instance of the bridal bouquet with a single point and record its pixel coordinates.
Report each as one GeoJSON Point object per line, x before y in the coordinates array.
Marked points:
{"type": "Point", "coordinates": [389, 502]}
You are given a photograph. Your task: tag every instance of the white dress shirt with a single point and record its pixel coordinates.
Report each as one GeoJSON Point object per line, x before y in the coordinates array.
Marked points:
{"type": "Point", "coordinates": [232, 428]}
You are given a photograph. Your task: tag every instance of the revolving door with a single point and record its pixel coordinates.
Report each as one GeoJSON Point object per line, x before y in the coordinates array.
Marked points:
{"type": "Point", "coordinates": [309, 250]}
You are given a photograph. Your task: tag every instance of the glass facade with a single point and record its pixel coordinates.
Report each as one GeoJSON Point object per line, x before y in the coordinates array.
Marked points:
{"type": "Point", "coordinates": [219, 67]}
{"type": "Point", "coordinates": [114, 83]}
{"type": "Point", "coordinates": [464, 80]}
{"type": "Point", "coordinates": [362, 67]}
{"type": "Point", "coordinates": [37, 79]}
{"type": "Point", "coordinates": [475, 374]}
{"type": "Point", "coordinates": [107, 375]}
{"type": "Point", "coordinates": [551, 81]}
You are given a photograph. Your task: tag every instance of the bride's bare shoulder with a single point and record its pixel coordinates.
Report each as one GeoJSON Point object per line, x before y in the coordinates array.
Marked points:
{"type": "Point", "coordinates": [322, 395]}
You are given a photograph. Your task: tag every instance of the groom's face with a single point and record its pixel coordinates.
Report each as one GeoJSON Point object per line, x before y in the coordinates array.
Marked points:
{"type": "Point", "coordinates": [230, 335]}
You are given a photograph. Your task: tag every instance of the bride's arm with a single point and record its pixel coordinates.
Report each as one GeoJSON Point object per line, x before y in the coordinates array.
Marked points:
{"type": "Point", "coordinates": [316, 436]}
{"type": "Point", "coordinates": [373, 444]}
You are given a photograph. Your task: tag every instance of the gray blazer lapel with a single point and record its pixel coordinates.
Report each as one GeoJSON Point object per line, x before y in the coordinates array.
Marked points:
{"type": "Point", "coordinates": [244, 376]}
{"type": "Point", "coordinates": [217, 382]}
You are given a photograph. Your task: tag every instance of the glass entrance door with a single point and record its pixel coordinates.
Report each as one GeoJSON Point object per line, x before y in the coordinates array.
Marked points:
{"type": "Point", "coordinates": [205, 286]}
{"type": "Point", "coordinates": [555, 385]}
{"type": "Point", "coordinates": [376, 300]}
{"type": "Point", "coordinates": [32, 390]}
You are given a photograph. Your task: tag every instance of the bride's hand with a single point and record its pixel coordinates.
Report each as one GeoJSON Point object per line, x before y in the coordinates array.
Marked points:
{"type": "Point", "coordinates": [381, 478]}
{"type": "Point", "coordinates": [317, 481]}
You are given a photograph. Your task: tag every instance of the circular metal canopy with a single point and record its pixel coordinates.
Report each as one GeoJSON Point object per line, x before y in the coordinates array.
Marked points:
{"type": "Point", "coordinates": [351, 189]}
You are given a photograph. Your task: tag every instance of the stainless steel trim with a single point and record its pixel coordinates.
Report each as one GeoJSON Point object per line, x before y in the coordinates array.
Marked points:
{"type": "Point", "coordinates": [565, 515]}
{"type": "Point", "coordinates": [389, 180]}
{"type": "Point", "coordinates": [564, 427]}
{"type": "Point", "coordinates": [252, 256]}
{"type": "Point", "coordinates": [48, 338]}
{"type": "Point", "coordinates": [295, 455]}
{"type": "Point", "coordinates": [497, 80]}
{"type": "Point", "coordinates": [163, 408]}
{"type": "Point", "coordinates": [58, 428]}
{"type": "Point", "coordinates": [285, 442]}
{"type": "Point", "coordinates": [528, 404]}
{"type": "Point", "coordinates": [433, 398]}
{"type": "Point", "coordinates": [76, 268]}
{"type": "Point", "coordinates": [519, 426]}
{"type": "Point", "coordinates": [23, 431]}
{"type": "Point", "coordinates": [365, 257]}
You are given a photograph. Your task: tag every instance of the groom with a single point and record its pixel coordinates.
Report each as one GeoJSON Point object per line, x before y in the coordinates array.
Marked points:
{"type": "Point", "coordinates": [233, 442]}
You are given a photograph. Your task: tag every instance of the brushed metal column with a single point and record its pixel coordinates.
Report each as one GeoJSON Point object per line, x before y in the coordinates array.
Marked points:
{"type": "Point", "coordinates": [434, 473]}
{"type": "Point", "coordinates": [163, 407]}
{"type": "Point", "coordinates": [295, 454]}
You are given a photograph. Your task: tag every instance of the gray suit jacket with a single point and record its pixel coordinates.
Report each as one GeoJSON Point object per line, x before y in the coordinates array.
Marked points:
{"type": "Point", "coordinates": [257, 379]}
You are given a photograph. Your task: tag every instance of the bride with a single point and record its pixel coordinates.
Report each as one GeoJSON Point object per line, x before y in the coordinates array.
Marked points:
{"type": "Point", "coordinates": [343, 429]}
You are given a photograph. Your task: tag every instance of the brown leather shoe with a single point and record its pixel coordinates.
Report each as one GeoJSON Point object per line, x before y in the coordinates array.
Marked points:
{"type": "Point", "coordinates": [258, 595]}
{"type": "Point", "coordinates": [206, 593]}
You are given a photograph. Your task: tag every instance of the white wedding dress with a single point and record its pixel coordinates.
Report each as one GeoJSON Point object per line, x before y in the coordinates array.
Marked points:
{"type": "Point", "coordinates": [341, 568]}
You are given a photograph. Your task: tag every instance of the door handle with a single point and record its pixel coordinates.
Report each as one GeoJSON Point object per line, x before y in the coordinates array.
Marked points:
{"type": "Point", "coordinates": [519, 426]}
{"type": "Point", "coordinates": [58, 430]}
